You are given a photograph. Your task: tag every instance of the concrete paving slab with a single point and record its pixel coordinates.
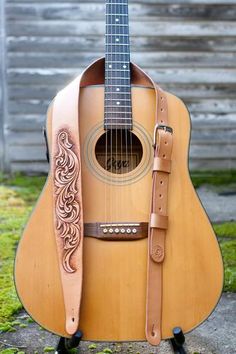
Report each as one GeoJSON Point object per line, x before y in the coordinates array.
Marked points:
{"type": "Point", "coordinates": [219, 204]}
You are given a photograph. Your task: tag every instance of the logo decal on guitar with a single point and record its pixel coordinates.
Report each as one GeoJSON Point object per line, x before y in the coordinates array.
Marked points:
{"type": "Point", "coordinates": [67, 201]}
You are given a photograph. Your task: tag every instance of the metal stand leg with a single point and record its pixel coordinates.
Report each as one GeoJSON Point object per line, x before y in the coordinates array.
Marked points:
{"type": "Point", "coordinates": [65, 344]}
{"type": "Point", "coordinates": [178, 341]}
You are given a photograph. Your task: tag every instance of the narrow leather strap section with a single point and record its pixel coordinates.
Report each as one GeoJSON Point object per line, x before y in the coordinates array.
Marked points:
{"type": "Point", "coordinates": [158, 220]}
{"type": "Point", "coordinates": [160, 164]}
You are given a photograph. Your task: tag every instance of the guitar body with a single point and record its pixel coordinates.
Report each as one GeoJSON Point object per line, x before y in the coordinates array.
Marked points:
{"type": "Point", "coordinates": [115, 272]}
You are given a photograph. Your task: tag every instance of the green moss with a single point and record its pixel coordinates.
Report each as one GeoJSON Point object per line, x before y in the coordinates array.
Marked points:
{"type": "Point", "coordinates": [227, 229]}
{"type": "Point", "coordinates": [48, 349]}
{"type": "Point", "coordinates": [23, 325]}
{"type": "Point", "coordinates": [229, 255]}
{"type": "Point", "coordinates": [214, 178]}
{"type": "Point", "coordinates": [92, 346]}
{"type": "Point", "coordinates": [14, 211]}
{"type": "Point", "coordinates": [27, 188]}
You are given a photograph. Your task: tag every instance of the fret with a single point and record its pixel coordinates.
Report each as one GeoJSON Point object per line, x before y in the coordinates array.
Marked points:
{"type": "Point", "coordinates": [117, 78]}
{"type": "Point", "coordinates": [115, 124]}
{"type": "Point", "coordinates": [118, 85]}
{"type": "Point", "coordinates": [115, 118]}
{"type": "Point", "coordinates": [120, 34]}
{"type": "Point", "coordinates": [118, 112]}
{"type": "Point", "coordinates": [117, 25]}
{"type": "Point", "coordinates": [115, 54]}
{"type": "Point", "coordinates": [115, 99]}
{"type": "Point", "coordinates": [118, 15]}
{"type": "Point", "coordinates": [117, 44]}
{"type": "Point", "coordinates": [118, 93]}
{"type": "Point", "coordinates": [117, 3]}
{"type": "Point", "coordinates": [117, 106]}
{"type": "Point", "coordinates": [118, 70]}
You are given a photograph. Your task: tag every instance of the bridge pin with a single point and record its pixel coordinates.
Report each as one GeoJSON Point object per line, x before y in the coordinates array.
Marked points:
{"type": "Point", "coordinates": [105, 231]}
{"type": "Point", "coordinates": [122, 231]}
{"type": "Point", "coordinates": [134, 231]}
{"type": "Point", "coordinates": [111, 231]}
{"type": "Point", "coordinates": [128, 231]}
{"type": "Point", "coordinates": [117, 230]}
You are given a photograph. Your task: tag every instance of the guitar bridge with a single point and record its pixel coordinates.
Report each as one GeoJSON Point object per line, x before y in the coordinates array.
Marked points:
{"type": "Point", "coordinates": [116, 231]}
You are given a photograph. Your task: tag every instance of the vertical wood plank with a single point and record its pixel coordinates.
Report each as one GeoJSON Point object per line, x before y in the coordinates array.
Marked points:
{"type": "Point", "coordinates": [3, 85]}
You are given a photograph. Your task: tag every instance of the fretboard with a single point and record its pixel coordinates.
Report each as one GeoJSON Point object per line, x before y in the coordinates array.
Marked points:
{"type": "Point", "coordinates": [118, 108]}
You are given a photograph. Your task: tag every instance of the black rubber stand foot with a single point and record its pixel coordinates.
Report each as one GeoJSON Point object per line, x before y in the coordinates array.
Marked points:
{"type": "Point", "coordinates": [65, 344]}
{"type": "Point", "coordinates": [178, 341]}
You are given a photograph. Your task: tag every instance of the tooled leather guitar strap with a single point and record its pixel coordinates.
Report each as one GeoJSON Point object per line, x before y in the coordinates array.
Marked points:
{"type": "Point", "coordinates": [67, 190]}
{"type": "Point", "coordinates": [158, 218]}
{"type": "Point", "coordinates": [67, 197]}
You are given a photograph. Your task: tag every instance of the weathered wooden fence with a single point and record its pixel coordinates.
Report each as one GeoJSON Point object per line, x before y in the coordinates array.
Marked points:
{"type": "Point", "coordinates": [188, 46]}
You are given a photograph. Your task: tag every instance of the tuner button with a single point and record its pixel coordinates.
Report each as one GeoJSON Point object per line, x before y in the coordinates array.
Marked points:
{"type": "Point", "coordinates": [128, 231]}
{"type": "Point", "coordinates": [134, 231]}
{"type": "Point", "coordinates": [117, 231]}
{"type": "Point", "coordinates": [111, 231]}
{"type": "Point", "coordinates": [105, 231]}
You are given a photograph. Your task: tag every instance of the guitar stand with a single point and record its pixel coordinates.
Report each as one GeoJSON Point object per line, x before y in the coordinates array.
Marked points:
{"type": "Point", "coordinates": [66, 344]}
{"type": "Point", "coordinates": [178, 341]}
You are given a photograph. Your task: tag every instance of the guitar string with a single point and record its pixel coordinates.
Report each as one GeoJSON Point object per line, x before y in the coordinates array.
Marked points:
{"type": "Point", "coordinates": [125, 72]}
{"type": "Point", "coordinates": [130, 98]}
{"type": "Point", "coordinates": [109, 51]}
{"type": "Point", "coordinates": [112, 110]}
{"type": "Point", "coordinates": [106, 88]}
{"type": "Point", "coordinates": [120, 74]}
{"type": "Point", "coordinates": [116, 25]}
{"type": "Point", "coordinates": [116, 127]}
{"type": "Point", "coordinates": [123, 55]}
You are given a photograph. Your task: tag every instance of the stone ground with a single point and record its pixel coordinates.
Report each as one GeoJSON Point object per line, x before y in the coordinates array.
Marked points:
{"type": "Point", "coordinates": [220, 203]}
{"type": "Point", "coordinates": [217, 335]}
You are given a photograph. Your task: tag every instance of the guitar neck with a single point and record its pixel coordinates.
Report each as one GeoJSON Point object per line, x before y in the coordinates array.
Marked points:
{"type": "Point", "coordinates": [118, 108]}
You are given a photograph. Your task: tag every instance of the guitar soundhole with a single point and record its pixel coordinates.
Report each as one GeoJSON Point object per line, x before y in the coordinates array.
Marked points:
{"type": "Point", "coordinates": [118, 151]}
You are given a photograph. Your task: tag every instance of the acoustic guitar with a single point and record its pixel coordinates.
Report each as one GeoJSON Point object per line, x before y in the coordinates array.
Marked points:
{"type": "Point", "coordinates": [118, 244]}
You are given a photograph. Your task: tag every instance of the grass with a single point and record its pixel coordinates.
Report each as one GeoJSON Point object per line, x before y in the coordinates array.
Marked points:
{"type": "Point", "coordinates": [214, 178]}
{"type": "Point", "coordinates": [17, 197]}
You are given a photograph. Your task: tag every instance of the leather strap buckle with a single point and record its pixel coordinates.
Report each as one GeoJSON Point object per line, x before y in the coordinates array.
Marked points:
{"type": "Point", "coordinates": [166, 128]}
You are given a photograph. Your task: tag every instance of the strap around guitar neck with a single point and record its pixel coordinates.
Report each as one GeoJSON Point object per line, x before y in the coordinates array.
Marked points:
{"type": "Point", "coordinates": [68, 209]}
